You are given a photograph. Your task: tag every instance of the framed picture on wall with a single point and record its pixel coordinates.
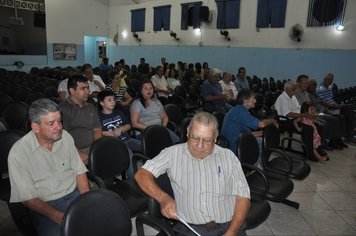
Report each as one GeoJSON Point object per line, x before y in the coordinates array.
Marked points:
{"type": "Point", "coordinates": [64, 51]}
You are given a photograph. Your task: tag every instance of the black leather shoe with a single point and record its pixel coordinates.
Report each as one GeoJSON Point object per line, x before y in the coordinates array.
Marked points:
{"type": "Point", "coordinates": [321, 152]}
{"type": "Point", "coordinates": [341, 143]}
{"type": "Point", "coordinates": [334, 145]}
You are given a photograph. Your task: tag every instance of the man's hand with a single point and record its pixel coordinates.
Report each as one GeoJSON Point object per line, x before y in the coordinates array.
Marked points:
{"type": "Point", "coordinates": [168, 207]}
{"type": "Point", "coordinates": [58, 217]}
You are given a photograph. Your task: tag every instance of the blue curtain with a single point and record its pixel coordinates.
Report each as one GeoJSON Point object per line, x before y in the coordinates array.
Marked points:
{"type": "Point", "coordinates": [161, 17]}
{"type": "Point", "coordinates": [271, 13]}
{"type": "Point", "coordinates": [185, 15]}
{"type": "Point", "coordinates": [228, 14]}
{"type": "Point", "coordinates": [138, 20]}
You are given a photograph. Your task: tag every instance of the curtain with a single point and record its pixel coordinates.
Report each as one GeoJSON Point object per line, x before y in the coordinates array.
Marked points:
{"type": "Point", "coordinates": [161, 18]}
{"type": "Point", "coordinates": [228, 14]}
{"type": "Point", "coordinates": [271, 13]}
{"type": "Point", "coordinates": [194, 8]}
{"type": "Point", "coordinates": [138, 20]}
{"type": "Point", "coordinates": [326, 12]}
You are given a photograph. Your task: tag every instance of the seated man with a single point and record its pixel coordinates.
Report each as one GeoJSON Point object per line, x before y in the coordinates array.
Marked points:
{"type": "Point", "coordinates": [239, 120]}
{"type": "Point", "coordinates": [96, 84]}
{"type": "Point", "coordinates": [214, 99]}
{"type": "Point", "coordinates": [80, 118]}
{"type": "Point", "coordinates": [331, 128]}
{"type": "Point", "coordinates": [210, 189]}
{"type": "Point", "coordinates": [228, 88]}
{"type": "Point", "coordinates": [161, 86]}
{"type": "Point", "coordinates": [45, 170]}
{"type": "Point", "coordinates": [241, 81]}
{"type": "Point", "coordinates": [327, 100]}
{"type": "Point", "coordinates": [287, 105]}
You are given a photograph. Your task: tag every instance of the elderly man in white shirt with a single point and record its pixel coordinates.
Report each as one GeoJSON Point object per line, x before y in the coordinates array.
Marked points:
{"type": "Point", "coordinates": [288, 105]}
{"type": "Point", "coordinates": [228, 88]}
{"type": "Point", "coordinates": [210, 189]}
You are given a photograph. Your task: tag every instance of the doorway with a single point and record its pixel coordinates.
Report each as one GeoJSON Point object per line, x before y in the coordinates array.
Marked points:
{"type": "Point", "coordinates": [95, 49]}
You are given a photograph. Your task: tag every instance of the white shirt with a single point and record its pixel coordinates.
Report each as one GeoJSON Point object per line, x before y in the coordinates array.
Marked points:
{"type": "Point", "coordinates": [160, 83]}
{"type": "Point", "coordinates": [93, 87]}
{"type": "Point", "coordinates": [226, 88]}
{"type": "Point", "coordinates": [285, 104]}
{"type": "Point", "coordinates": [62, 87]}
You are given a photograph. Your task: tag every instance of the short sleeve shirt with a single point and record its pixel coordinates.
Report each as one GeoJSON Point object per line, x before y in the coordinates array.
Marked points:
{"type": "Point", "coordinates": [285, 104]}
{"type": "Point", "coordinates": [205, 190]}
{"type": "Point", "coordinates": [109, 122]}
{"type": "Point", "coordinates": [80, 122]}
{"type": "Point", "coordinates": [236, 121]}
{"type": "Point", "coordinates": [150, 115]}
{"type": "Point", "coordinates": [36, 172]}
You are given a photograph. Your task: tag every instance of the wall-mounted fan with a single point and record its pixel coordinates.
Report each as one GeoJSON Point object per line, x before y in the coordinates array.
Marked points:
{"type": "Point", "coordinates": [296, 32]}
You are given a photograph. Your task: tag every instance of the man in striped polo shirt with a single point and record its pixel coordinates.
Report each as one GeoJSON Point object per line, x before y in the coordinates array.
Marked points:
{"type": "Point", "coordinates": [326, 96]}
{"type": "Point", "coordinates": [210, 189]}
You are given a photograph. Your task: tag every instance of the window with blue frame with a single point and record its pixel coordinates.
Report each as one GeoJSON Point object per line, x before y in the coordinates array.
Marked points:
{"type": "Point", "coordinates": [271, 13]}
{"type": "Point", "coordinates": [138, 20]}
{"type": "Point", "coordinates": [228, 14]}
{"type": "Point", "coordinates": [161, 18]}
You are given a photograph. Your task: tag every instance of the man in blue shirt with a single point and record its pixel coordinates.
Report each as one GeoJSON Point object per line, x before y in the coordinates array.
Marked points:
{"type": "Point", "coordinates": [241, 81]}
{"type": "Point", "coordinates": [212, 93]}
{"type": "Point", "coordinates": [239, 120]}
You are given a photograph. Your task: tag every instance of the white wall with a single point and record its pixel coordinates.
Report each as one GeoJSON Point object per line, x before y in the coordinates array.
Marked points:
{"type": "Point", "coordinates": [245, 36]}
{"type": "Point", "coordinates": [69, 20]}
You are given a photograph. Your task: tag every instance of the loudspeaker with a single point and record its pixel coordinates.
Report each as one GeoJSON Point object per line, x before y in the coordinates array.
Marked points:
{"type": "Point", "coordinates": [204, 13]}
{"type": "Point", "coordinates": [39, 20]}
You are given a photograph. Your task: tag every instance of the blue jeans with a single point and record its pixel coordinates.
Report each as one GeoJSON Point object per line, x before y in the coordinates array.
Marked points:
{"type": "Point", "coordinates": [43, 225]}
{"type": "Point", "coordinates": [220, 229]}
{"type": "Point", "coordinates": [134, 145]}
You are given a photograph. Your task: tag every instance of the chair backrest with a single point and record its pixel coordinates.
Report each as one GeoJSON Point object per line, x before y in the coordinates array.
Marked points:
{"type": "Point", "coordinates": [220, 117]}
{"type": "Point", "coordinates": [3, 125]}
{"type": "Point", "coordinates": [164, 183]}
{"type": "Point", "coordinates": [98, 212]}
{"type": "Point", "coordinates": [16, 115]}
{"type": "Point", "coordinates": [4, 100]}
{"type": "Point", "coordinates": [272, 137]}
{"type": "Point", "coordinates": [222, 141]}
{"type": "Point", "coordinates": [155, 139]}
{"type": "Point", "coordinates": [174, 114]}
{"type": "Point", "coordinates": [108, 156]}
{"type": "Point", "coordinates": [7, 139]}
{"type": "Point", "coordinates": [183, 129]}
{"type": "Point", "coordinates": [248, 149]}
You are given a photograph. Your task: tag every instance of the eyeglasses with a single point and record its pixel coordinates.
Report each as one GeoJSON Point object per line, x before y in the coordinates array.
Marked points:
{"type": "Point", "coordinates": [204, 140]}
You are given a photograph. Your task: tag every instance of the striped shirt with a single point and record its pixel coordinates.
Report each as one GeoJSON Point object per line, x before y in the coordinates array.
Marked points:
{"type": "Point", "coordinates": [326, 94]}
{"type": "Point", "coordinates": [118, 94]}
{"type": "Point", "coordinates": [205, 190]}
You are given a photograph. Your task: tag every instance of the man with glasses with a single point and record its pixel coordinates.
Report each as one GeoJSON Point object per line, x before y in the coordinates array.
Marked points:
{"type": "Point", "coordinates": [210, 189]}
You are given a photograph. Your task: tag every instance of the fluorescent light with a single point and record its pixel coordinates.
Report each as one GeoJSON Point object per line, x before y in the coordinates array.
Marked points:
{"type": "Point", "coordinates": [124, 34]}
{"type": "Point", "coordinates": [340, 28]}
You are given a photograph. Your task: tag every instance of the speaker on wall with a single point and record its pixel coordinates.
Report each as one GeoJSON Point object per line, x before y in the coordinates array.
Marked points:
{"type": "Point", "coordinates": [39, 20]}
{"type": "Point", "coordinates": [204, 14]}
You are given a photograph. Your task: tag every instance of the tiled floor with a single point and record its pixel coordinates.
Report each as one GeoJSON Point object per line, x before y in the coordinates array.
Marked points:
{"type": "Point", "coordinates": [327, 202]}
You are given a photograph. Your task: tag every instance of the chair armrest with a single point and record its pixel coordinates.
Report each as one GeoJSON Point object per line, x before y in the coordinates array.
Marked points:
{"type": "Point", "coordinates": [286, 139]}
{"type": "Point", "coordinates": [97, 180]}
{"type": "Point", "coordinates": [281, 154]}
{"type": "Point", "coordinates": [153, 222]}
{"type": "Point", "coordinates": [172, 126]}
{"type": "Point", "coordinates": [137, 157]}
{"type": "Point", "coordinates": [259, 172]}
